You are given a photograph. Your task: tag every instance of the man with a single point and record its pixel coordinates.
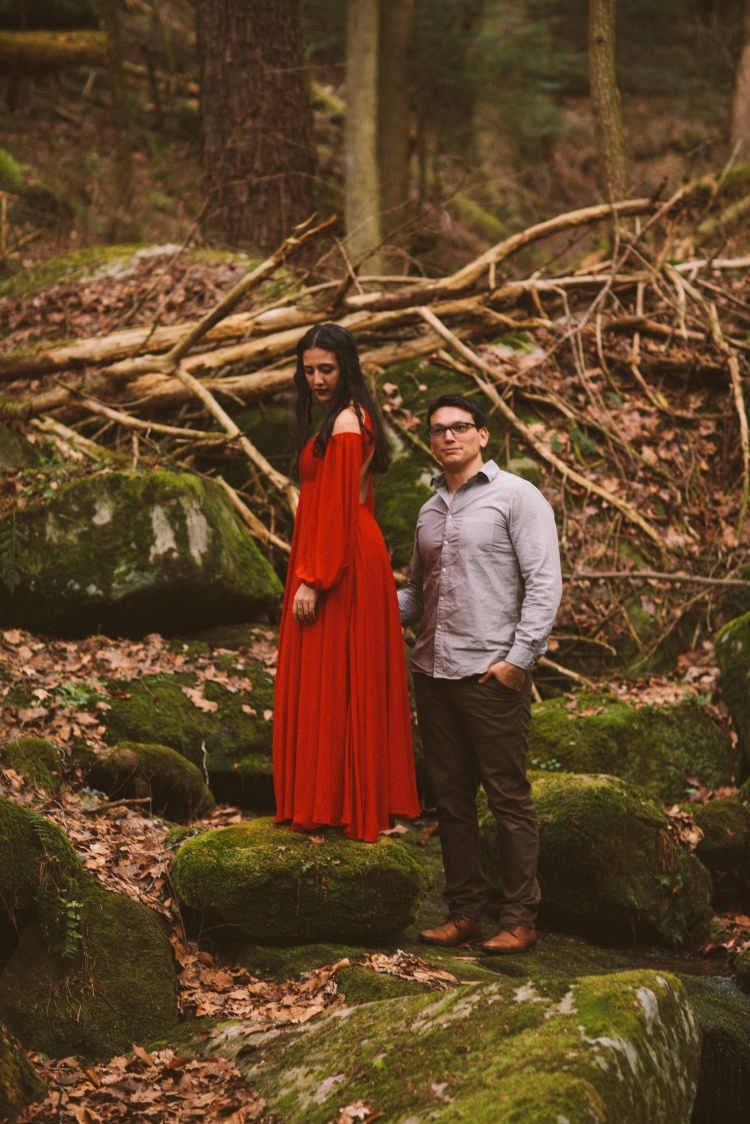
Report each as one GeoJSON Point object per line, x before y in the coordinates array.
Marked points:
{"type": "Point", "coordinates": [485, 583]}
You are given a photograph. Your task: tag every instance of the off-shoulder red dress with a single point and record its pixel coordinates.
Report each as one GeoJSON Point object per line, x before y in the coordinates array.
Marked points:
{"type": "Point", "coordinates": [342, 748]}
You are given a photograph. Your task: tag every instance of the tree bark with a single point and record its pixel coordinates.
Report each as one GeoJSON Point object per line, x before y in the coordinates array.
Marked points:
{"type": "Point", "coordinates": [605, 101]}
{"type": "Point", "coordinates": [121, 225]}
{"type": "Point", "coordinates": [396, 20]}
{"type": "Point", "coordinates": [741, 99]}
{"type": "Point", "coordinates": [362, 184]}
{"type": "Point", "coordinates": [256, 121]}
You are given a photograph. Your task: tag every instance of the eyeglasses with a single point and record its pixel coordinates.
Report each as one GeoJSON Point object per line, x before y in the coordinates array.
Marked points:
{"type": "Point", "coordinates": [457, 429]}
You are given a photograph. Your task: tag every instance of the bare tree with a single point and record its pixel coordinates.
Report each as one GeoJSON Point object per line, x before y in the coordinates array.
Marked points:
{"type": "Point", "coordinates": [605, 100]}
{"type": "Point", "coordinates": [362, 180]}
{"type": "Point", "coordinates": [396, 22]}
{"type": "Point", "coordinates": [256, 120]}
{"type": "Point", "coordinates": [741, 100]}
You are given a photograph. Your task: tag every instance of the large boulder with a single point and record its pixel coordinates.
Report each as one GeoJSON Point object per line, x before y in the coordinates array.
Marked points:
{"type": "Point", "coordinates": [112, 985]}
{"type": "Point", "coordinates": [19, 1081]}
{"type": "Point", "coordinates": [230, 734]}
{"type": "Point", "coordinates": [624, 1047]}
{"type": "Point", "coordinates": [656, 747]}
{"type": "Point", "coordinates": [610, 861]}
{"type": "Point", "coordinates": [132, 553]}
{"type": "Point", "coordinates": [270, 884]}
{"type": "Point", "coordinates": [733, 658]}
{"type": "Point", "coordinates": [723, 1015]}
{"type": "Point", "coordinates": [100, 961]}
{"type": "Point", "coordinates": [174, 786]}
{"type": "Point", "coordinates": [36, 760]}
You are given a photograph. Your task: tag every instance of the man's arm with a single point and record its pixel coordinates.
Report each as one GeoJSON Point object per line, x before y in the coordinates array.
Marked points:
{"type": "Point", "coordinates": [534, 536]}
{"type": "Point", "coordinates": [411, 598]}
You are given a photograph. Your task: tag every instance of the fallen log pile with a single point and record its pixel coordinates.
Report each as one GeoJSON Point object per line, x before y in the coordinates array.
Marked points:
{"type": "Point", "coordinates": [633, 399]}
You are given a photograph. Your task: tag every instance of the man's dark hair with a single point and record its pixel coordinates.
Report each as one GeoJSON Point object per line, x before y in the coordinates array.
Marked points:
{"type": "Point", "coordinates": [478, 415]}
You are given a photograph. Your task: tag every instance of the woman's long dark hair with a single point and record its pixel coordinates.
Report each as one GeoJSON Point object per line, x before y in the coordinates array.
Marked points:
{"type": "Point", "coordinates": [351, 390]}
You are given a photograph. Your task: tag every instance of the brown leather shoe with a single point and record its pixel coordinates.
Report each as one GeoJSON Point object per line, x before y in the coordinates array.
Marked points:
{"type": "Point", "coordinates": [457, 930]}
{"type": "Point", "coordinates": [516, 938]}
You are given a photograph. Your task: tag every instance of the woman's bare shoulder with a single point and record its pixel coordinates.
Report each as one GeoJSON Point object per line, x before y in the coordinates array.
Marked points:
{"type": "Point", "coordinates": [347, 422]}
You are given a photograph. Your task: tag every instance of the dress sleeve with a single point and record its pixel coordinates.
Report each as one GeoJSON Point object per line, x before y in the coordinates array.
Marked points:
{"type": "Point", "coordinates": [327, 547]}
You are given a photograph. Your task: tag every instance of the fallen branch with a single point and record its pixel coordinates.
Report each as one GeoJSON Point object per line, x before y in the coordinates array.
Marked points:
{"type": "Point", "coordinates": [251, 520]}
{"type": "Point", "coordinates": [656, 576]}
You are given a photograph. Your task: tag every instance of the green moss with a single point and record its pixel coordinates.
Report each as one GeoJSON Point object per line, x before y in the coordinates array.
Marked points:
{"type": "Point", "coordinates": [363, 985]}
{"type": "Point", "coordinates": [288, 963]}
{"type": "Point", "coordinates": [120, 989]}
{"type": "Point", "coordinates": [36, 760]}
{"type": "Point", "coordinates": [174, 785]}
{"type": "Point", "coordinates": [133, 552]}
{"type": "Point", "coordinates": [272, 884]}
{"type": "Point", "coordinates": [610, 861]}
{"type": "Point", "coordinates": [11, 173]}
{"type": "Point", "coordinates": [154, 710]}
{"type": "Point", "coordinates": [399, 494]}
{"type": "Point", "coordinates": [39, 871]}
{"type": "Point", "coordinates": [733, 657]}
{"type": "Point", "coordinates": [654, 747]}
{"type": "Point", "coordinates": [19, 1081]}
{"type": "Point", "coordinates": [726, 834]}
{"type": "Point", "coordinates": [620, 1048]}
{"type": "Point", "coordinates": [15, 450]}
{"type": "Point", "coordinates": [723, 1015]}
{"type": "Point", "coordinates": [89, 263]}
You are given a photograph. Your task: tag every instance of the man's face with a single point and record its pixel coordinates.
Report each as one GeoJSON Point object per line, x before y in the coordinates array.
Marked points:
{"type": "Point", "coordinates": [457, 451]}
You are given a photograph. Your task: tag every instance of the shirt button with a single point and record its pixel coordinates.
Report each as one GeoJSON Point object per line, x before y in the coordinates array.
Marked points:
{"type": "Point", "coordinates": [440, 626]}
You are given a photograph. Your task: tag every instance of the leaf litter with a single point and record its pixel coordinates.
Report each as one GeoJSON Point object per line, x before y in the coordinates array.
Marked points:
{"type": "Point", "coordinates": [126, 850]}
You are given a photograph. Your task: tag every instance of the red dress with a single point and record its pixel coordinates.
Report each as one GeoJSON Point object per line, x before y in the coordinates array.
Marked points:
{"type": "Point", "coordinates": [342, 747]}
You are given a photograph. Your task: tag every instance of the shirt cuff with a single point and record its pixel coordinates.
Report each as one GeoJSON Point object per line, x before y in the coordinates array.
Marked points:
{"type": "Point", "coordinates": [521, 656]}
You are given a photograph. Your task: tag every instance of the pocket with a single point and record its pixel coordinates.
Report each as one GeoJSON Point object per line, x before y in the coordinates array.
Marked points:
{"type": "Point", "coordinates": [503, 687]}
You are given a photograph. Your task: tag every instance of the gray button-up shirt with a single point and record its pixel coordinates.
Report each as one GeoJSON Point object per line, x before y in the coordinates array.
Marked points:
{"type": "Point", "coordinates": [485, 576]}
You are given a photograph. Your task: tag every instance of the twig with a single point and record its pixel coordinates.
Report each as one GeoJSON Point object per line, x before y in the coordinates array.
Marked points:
{"type": "Point", "coordinates": [657, 576]}
{"type": "Point", "coordinates": [544, 661]}
{"type": "Point", "coordinates": [251, 520]}
{"type": "Point", "coordinates": [283, 483]}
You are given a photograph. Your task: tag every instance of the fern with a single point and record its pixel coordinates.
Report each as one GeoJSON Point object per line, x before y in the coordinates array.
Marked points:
{"type": "Point", "coordinates": [72, 936]}
{"type": "Point", "coordinates": [13, 540]}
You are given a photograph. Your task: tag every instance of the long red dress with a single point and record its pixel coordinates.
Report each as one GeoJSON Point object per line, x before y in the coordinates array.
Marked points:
{"type": "Point", "coordinates": [342, 748]}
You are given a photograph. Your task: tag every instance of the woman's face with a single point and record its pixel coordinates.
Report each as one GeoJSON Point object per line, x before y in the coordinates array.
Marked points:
{"type": "Point", "coordinates": [322, 372]}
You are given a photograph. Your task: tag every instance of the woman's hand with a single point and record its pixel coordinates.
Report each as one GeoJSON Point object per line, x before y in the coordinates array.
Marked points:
{"type": "Point", "coordinates": [303, 606]}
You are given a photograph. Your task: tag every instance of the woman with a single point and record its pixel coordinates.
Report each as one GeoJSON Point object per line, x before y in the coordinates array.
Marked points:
{"type": "Point", "coordinates": [342, 745]}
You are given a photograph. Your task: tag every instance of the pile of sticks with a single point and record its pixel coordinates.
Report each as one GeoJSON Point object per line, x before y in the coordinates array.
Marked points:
{"type": "Point", "coordinates": [138, 377]}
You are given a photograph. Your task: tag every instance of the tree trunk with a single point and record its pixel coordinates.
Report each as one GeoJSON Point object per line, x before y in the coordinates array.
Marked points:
{"type": "Point", "coordinates": [360, 139]}
{"type": "Point", "coordinates": [605, 101]}
{"type": "Point", "coordinates": [121, 225]}
{"type": "Point", "coordinates": [256, 121]}
{"type": "Point", "coordinates": [396, 21]}
{"type": "Point", "coordinates": [741, 100]}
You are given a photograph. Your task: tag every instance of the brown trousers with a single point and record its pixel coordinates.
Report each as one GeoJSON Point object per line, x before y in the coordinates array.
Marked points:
{"type": "Point", "coordinates": [474, 732]}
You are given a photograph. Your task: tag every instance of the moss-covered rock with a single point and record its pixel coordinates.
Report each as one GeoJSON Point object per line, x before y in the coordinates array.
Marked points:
{"type": "Point", "coordinates": [657, 748]}
{"type": "Point", "coordinates": [268, 883]}
{"type": "Point", "coordinates": [237, 736]}
{"type": "Point", "coordinates": [39, 873]}
{"type": "Point", "coordinates": [725, 849]}
{"type": "Point", "coordinates": [733, 658]}
{"type": "Point", "coordinates": [19, 1081]}
{"type": "Point", "coordinates": [723, 1015]}
{"type": "Point", "coordinates": [175, 786]}
{"type": "Point", "coordinates": [624, 1047]}
{"type": "Point", "coordinates": [119, 987]}
{"type": "Point", "coordinates": [15, 450]}
{"type": "Point", "coordinates": [133, 553]}
{"type": "Point", "coordinates": [36, 760]}
{"type": "Point", "coordinates": [610, 861]}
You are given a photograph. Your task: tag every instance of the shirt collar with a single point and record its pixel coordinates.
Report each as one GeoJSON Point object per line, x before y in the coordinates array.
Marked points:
{"type": "Point", "coordinates": [486, 473]}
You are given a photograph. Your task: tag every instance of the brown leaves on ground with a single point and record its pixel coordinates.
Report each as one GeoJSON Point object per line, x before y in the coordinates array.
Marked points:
{"type": "Point", "coordinates": [69, 679]}
{"type": "Point", "coordinates": [162, 1087]}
